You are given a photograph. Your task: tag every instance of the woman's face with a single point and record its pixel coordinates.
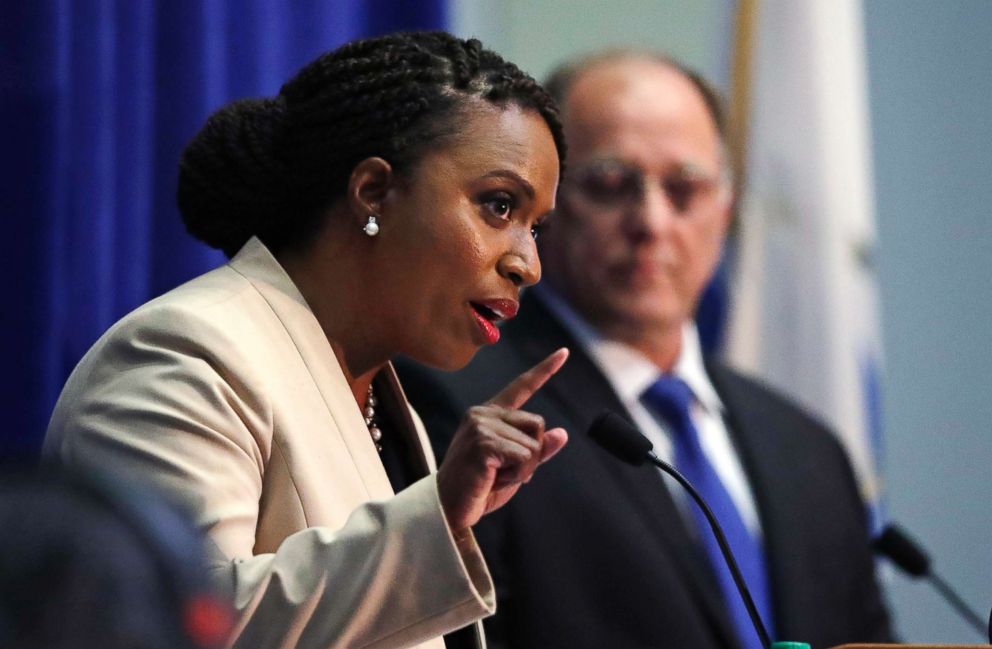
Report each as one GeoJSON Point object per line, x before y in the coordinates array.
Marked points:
{"type": "Point", "coordinates": [456, 244]}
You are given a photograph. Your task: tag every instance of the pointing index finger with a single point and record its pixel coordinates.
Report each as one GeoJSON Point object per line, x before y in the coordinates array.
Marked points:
{"type": "Point", "coordinates": [524, 386]}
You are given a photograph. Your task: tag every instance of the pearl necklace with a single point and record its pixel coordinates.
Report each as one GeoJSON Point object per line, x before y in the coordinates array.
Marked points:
{"type": "Point", "coordinates": [374, 430]}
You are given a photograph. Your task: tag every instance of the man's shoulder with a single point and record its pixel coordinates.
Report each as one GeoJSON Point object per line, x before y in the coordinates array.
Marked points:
{"type": "Point", "coordinates": [757, 408]}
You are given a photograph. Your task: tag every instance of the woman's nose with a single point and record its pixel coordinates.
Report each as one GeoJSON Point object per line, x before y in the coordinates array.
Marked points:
{"type": "Point", "coordinates": [522, 267]}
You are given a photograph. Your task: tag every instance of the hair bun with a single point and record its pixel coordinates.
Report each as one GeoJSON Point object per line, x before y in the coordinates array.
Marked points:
{"type": "Point", "coordinates": [231, 183]}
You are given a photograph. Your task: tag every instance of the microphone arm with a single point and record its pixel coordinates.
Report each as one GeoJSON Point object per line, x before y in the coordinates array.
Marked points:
{"type": "Point", "coordinates": [952, 598]}
{"type": "Point", "coordinates": [904, 551]}
{"type": "Point", "coordinates": [728, 556]}
{"type": "Point", "coordinates": [620, 438]}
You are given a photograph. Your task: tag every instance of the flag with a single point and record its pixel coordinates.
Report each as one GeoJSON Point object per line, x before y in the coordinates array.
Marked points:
{"type": "Point", "coordinates": [804, 305]}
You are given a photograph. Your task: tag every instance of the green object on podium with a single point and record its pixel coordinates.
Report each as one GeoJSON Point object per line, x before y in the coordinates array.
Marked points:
{"type": "Point", "coordinates": [789, 645]}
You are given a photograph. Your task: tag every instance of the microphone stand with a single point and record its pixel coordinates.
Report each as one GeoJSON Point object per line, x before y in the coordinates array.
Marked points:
{"type": "Point", "coordinates": [958, 604]}
{"type": "Point", "coordinates": [619, 438]}
{"type": "Point", "coordinates": [904, 551]}
{"type": "Point", "coordinates": [724, 546]}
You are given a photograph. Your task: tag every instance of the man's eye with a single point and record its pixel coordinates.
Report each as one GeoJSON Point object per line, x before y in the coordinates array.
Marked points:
{"type": "Point", "coordinates": [537, 229]}
{"type": "Point", "coordinates": [611, 184]}
{"type": "Point", "coordinates": [680, 192]}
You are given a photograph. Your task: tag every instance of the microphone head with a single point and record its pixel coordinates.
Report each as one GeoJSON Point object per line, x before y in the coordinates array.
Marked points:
{"type": "Point", "coordinates": [619, 437]}
{"type": "Point", "coordinates": [905, 552]}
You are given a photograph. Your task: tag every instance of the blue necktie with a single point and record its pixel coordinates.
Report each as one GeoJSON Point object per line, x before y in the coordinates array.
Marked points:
{"type": "Point", "coordinates": [671, 398]}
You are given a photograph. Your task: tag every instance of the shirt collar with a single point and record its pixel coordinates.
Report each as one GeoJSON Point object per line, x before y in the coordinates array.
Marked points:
{"type": "Point", "coordinates": [628, 370]}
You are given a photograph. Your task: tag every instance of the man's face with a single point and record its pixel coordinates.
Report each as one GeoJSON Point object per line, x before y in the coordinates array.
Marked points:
{"type": "Point", "coordinates": [645, 205]}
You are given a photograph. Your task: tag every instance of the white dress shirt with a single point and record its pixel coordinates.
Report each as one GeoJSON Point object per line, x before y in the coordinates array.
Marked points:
{"type": "Point", "coordinates": [630, 373]}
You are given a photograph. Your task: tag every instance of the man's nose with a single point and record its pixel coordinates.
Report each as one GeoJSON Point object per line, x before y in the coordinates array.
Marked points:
{"type": "Point", "coordinates": [653, 214]}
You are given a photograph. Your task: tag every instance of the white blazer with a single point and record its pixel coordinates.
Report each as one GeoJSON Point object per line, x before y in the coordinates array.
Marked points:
{"type": "Point", "coordinates": [226, 393]}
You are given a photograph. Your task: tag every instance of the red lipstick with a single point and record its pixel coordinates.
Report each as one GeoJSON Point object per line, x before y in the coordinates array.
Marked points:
{"type": "Point", "coordinates": [489, 330]}
{"type": "Point", "coordinates": [488, 312]}
{"type": "Point", "coordinates": [500, 309]}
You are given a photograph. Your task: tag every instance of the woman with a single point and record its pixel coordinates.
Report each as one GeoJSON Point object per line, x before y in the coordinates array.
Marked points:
{"type": "Point", "coordinates": [385, 202]}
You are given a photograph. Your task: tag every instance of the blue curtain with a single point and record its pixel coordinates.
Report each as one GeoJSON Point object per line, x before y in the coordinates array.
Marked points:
{"type": "Point", "coordinates": [98, 99]}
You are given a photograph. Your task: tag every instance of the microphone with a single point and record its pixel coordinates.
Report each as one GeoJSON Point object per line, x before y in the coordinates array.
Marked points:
{"type": "Point", "coordinates": [896, 544]}
{"type": "Point", "coordinates": [621, 439]}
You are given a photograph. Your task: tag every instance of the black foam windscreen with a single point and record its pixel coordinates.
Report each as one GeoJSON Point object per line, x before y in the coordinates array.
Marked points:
{"type": "Point", "coordinates": [71, 533]}
{"type": "Point", "coordinates": [619, 437]}
{"type": "Point", "coordinates": [906, 553]}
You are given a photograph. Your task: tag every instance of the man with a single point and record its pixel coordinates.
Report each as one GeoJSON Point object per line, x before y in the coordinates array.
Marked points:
{"type": "Point", "coordinates": [594, 553]}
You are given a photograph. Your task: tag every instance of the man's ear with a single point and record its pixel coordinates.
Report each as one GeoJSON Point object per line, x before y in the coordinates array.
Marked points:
{"type": "Point", "coordinates": [368, 186]}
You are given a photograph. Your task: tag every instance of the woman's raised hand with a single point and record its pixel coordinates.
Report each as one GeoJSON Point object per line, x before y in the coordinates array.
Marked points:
{"type": "Point", "coordinates": [497, 448]}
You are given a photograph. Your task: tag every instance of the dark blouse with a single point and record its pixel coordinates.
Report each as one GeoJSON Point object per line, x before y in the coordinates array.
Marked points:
{"type": "Point", "coordinates": [404, 466]}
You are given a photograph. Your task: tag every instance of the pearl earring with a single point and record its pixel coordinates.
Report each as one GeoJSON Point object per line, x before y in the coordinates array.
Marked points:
{"type": "Point", "coordinates": [371, 227]}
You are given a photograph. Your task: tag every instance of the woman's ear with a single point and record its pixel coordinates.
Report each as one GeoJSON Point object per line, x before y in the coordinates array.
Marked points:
{"type": "Point", "coordinates": [368, 186]}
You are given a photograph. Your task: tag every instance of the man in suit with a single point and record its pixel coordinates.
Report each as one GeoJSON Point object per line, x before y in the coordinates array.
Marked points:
{"type": "Point", "coordinates": [595, 553]}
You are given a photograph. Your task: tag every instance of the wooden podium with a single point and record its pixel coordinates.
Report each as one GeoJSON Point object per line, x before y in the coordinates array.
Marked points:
{"type": "Point", "coordinates": [912, 646]}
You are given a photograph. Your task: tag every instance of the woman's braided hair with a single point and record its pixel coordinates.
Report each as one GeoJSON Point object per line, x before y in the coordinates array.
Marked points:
{"type": "Point", "coordinates": [272, 167]}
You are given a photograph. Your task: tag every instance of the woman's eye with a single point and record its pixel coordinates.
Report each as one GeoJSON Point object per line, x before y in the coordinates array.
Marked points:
{"type": "Point", "coordinates": [538, 229]}
{"type": "Point", "coordinates": [499, 205]}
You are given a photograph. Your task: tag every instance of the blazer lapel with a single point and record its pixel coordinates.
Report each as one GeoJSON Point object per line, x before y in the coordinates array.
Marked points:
{"type": "Point", "coordinates": [392, 397]}
{"type": "Point", "coordinates": [765, 463]}
{"type": "Point", "coordinates": [259, 267]}
{"type": "Point", "coordinates": [471, 636]}
{"type": "Point", "coordinates": [578, 389]}
{"type": "Point", "coordinates": [581, 392]}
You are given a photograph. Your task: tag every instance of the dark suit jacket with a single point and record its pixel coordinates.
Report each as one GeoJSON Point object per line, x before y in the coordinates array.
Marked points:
{"type": "Point", "coordinates": [594, 553]}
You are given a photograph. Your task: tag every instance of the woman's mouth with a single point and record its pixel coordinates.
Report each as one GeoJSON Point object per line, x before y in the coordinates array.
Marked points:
{"type": "Point", "coordinates": [487, 313]}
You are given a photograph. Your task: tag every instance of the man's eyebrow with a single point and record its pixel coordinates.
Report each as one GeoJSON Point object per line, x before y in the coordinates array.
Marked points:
{"type": "Point", "coordinates": [513, 175]}
{"type": "Point", "coordinates": [694, 169]}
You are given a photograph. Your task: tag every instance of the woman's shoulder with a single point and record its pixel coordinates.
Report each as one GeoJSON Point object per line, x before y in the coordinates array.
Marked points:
{"type": "Point", "coordinates": [223, 302]}
{"type": "Point", "coordinates": [213, 306]}
{"type": "Point", "coordinates": [217, 323]}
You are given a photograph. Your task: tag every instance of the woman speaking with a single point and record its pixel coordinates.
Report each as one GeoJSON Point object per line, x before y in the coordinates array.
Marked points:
{"type": "Point", "coordinates": [385, 202]}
